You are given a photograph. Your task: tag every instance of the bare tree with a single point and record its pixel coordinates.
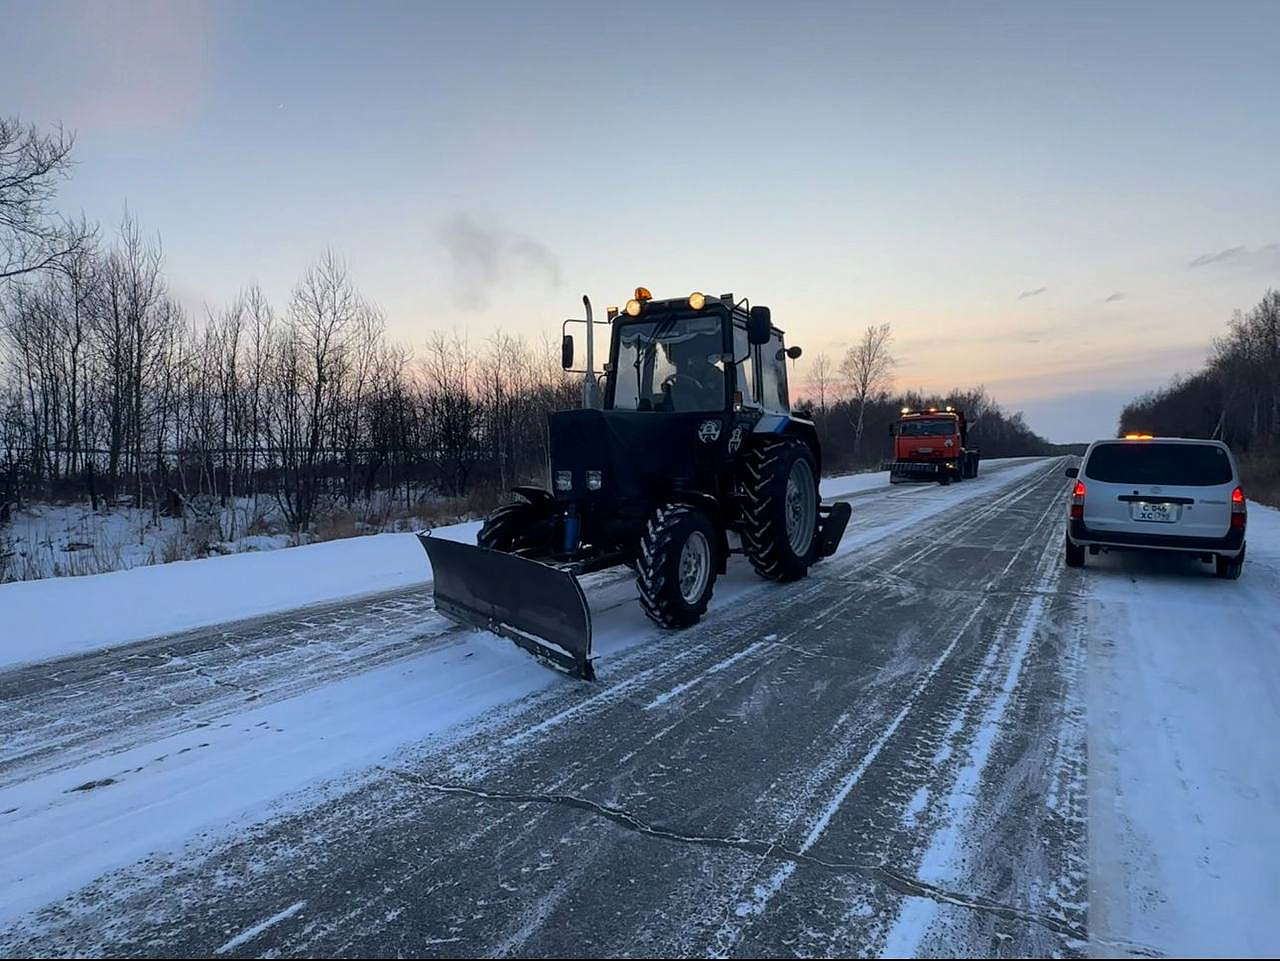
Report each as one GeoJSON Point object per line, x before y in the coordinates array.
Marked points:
{"type": "Point", "coordinates": [822, 382]}
{"type": "Point", "coordinates": [32, 237]}
{"type": "Point", "coordinates": [868, 367]}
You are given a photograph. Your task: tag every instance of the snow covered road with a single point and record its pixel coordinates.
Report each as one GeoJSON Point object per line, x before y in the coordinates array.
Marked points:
{"type": "Point", "coordinates": [887, 757]}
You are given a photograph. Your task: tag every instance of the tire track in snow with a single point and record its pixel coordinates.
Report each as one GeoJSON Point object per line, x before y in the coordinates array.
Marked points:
{"type": "Point", "coordinates": [763, 892]}
{"type": "Point", "coordinates": [938, 864]}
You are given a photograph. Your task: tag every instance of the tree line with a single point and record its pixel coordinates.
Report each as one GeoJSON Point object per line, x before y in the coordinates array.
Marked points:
{"type": "Point", "coordinates": [1234, 397]}
{"type": "Point", "coordinates": [110, 391]}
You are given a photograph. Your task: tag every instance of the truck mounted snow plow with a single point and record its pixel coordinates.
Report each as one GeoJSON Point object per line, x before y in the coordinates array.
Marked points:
{"type": "Point", "coordinates": [694, 440]}
{"type": "Point", "coordinates": [931, 445]}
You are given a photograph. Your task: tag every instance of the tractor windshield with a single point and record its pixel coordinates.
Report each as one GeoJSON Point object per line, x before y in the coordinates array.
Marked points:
{"type": "Point", "coordinates": [928, 428]}
{"type": "Point", "coordinates": [674, 364]}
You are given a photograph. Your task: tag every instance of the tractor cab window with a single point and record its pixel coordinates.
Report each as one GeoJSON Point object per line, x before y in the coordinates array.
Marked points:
{"type": "Point", "coordinates": [676, 364]}
{"type": "Point", "coordinates": [773, 379]}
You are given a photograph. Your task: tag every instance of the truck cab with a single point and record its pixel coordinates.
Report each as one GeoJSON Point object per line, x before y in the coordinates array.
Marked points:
{"type": "Point", "coordinates": [931, 444]}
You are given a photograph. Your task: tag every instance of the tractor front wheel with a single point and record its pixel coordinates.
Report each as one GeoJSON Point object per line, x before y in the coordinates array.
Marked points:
{"type": "Point", "coordinates": [516, 527]}
{"type": "Point", "coordinates": [780, 510]}
{"type": "Point", "coordinates": [676, 566]}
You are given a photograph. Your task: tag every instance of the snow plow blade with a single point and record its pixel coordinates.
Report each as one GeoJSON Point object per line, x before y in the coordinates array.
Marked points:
{"type": "Point", "coordinates": [911, 470]}
{"type": "Point", "coordinates": [540, 607]}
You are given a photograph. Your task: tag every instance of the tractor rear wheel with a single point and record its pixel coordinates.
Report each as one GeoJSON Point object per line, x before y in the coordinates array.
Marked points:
{"type": "Point", "coordinates": [780, 510]}
{"type": "Point", "coordinates": [516, 527]}
{"type": "Point", "coordinates": [676, 565]}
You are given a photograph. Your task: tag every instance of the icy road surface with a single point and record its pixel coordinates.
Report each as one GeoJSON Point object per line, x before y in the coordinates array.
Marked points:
{"type": "Point", "coordinates": [942, 742]}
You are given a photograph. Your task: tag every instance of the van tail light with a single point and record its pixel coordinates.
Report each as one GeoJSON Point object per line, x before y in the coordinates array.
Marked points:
{"type": "Point", "coordinates": [1077, 502]}
{"type": "Point", "coordinates": [1238, 510]}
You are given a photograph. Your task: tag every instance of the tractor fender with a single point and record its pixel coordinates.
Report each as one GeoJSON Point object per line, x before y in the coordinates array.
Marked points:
{"type": "Point", "coordinates": [790, 426]}
{"type": "Point", "coordinates": [534, 495]}
{"type": "Point", "coordinates": [713, 509]}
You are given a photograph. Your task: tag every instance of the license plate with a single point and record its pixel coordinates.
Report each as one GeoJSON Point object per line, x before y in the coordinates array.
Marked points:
{"type": "Point", "coordinates": [1159, 513]}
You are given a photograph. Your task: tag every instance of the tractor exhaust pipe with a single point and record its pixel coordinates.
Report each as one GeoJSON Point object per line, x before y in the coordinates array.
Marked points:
{"type": "Point", "coordinates": [590, 399]}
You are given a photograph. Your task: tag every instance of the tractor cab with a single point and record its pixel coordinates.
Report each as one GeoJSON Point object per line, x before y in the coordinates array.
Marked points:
{"type": "Point", "coordinates": [694, 354]}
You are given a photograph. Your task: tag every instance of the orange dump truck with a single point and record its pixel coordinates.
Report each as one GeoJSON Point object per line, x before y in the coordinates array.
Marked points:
{"type": "Point", "coordinates": [931, 444]}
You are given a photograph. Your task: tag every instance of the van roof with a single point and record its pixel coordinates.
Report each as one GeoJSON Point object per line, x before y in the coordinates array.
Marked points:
{"type": "Point", "coordinates": [1162, 440]}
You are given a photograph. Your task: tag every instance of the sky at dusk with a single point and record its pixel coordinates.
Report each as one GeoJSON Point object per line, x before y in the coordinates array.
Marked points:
{"type": "Point", "coordinates": [1063, 202]}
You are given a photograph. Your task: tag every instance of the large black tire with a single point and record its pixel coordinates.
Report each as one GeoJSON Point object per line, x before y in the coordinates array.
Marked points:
{"type": "Point", "coordinates": [1229, 568]}
{"type": "Point", "coordinates": [1073, 554]}
{"type": "Point", "coordinates": [518, 526]}
{"type": "Point", "coordinates": [676, 566]}
{"type": "Point", "coordinates": [780, 503]}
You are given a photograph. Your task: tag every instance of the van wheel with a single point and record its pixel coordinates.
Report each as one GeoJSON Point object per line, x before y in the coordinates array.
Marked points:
{"type": "Point", "coordinates": [1074, 554]}
{"type": "Point", "coordinates": [1229, 568]}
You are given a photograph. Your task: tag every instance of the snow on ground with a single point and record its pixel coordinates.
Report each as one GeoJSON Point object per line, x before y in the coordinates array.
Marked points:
{"type": "Point", "coordinates": [66, 826]}
{"type": "Point", "coordinates": [54, 617]}
{"type": "Point", "coordinates": [58, 540]}
{"type": "Point", "coordinates": [1184, 762]}
{"type": "Point", "coordinates": [1183, 702]}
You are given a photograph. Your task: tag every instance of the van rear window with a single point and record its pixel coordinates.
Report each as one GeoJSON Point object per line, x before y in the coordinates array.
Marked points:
{"type": "Point", "coordinates": [1173, 465]}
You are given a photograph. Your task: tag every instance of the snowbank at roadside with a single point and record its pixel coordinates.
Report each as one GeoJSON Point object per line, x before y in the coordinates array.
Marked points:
{"type": "Point", "coordinates": [58, 616]}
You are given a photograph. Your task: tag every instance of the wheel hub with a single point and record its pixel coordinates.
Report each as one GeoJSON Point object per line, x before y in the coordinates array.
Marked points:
{"type": "Point", "coordinates": [801, 507]}
{"type": "Point", "coordinates": [695, 567]}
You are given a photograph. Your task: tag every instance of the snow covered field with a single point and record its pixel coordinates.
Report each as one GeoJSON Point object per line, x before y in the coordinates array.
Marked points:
{"type": "Point", "coordinates": [61, 540]}
{"type": "Point", "coordinates": [58, 540]}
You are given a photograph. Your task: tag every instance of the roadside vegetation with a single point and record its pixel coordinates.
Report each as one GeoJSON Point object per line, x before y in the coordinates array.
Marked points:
{"type": "Point", "coordinates": [1234, 397]}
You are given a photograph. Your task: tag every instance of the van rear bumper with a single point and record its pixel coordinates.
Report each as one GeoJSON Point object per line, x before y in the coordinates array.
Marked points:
{"type": "Point", "coordinates": [1082, 534]}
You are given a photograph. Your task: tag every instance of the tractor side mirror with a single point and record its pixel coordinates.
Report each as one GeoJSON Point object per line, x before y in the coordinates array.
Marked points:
{"type": "Point", "coordinates": [794, 353]}
{"type": "Point", "coordinates": [566, 352]}
{"type": "Point", "coordinates": [761, 326]}
{"type": "Point", "coordinates": [1073, 472]}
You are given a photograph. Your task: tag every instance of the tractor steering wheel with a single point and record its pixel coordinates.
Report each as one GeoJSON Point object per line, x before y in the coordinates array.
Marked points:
{"type": "Point", "coordinates": [671, 380]}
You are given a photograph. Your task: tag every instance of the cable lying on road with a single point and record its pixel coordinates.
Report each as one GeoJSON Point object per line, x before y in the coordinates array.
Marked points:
{"type": "Point", "coordinates": [900, 882]}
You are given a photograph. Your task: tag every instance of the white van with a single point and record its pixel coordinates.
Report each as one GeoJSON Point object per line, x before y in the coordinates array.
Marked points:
{"type": "Point", "coordinates": [1158, 493]}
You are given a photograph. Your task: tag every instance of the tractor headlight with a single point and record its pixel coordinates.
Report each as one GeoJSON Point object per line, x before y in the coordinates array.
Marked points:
{"type": "Point", "coordinates": [564, 480]}
{"type": "Point", "coordinates": [697, 300]}
{"type": "Point", "coordinates": [593, 480]}
{"type": "Point", "coordinates": [633, 308]}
